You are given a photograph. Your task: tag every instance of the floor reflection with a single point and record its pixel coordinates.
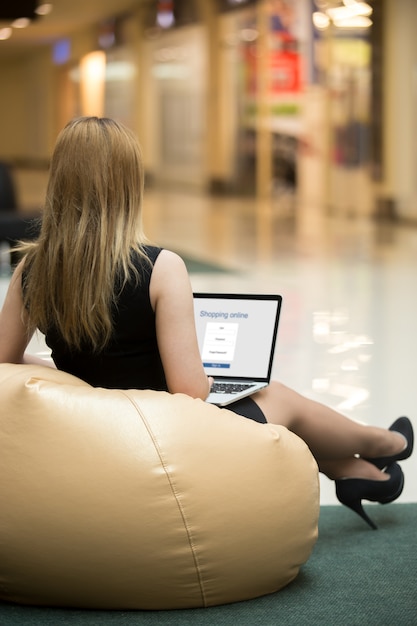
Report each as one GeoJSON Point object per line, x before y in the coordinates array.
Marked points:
{"type": "Point", "coordinates": [347, 335]}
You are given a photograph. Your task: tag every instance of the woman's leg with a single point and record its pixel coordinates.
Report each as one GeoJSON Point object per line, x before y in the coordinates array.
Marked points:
{"type": "Point", "coordinates": [335, 440]}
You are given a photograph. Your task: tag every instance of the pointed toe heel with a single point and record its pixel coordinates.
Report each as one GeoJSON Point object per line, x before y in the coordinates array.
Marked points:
{"type": "Point", "coordinates": [351, 491]}
{"type": "Point", "coordinates": [403, 426]}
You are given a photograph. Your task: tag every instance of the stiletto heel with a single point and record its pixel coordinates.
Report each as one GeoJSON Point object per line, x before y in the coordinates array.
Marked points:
{"type": "Point", "coordinates": [351, 491]}
{"type": "Point", "coordinates": [403, 426]}
{"type": "Point", "coordinates": [356, 506]}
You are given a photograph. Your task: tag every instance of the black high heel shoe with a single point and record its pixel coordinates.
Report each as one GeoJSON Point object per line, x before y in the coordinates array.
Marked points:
{"type": "Point", "coordinates": [403, 426]}
{"type": "Point", "coordinates": [351, 491]}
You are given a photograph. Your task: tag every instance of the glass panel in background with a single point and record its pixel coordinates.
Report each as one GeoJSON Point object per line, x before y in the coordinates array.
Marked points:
{"type": "Point", "coordinates": [176, 109]}
{"type": "Point", "coordinates": [273, 43]}
{"type": "Point", "coordinates": [343, 54]}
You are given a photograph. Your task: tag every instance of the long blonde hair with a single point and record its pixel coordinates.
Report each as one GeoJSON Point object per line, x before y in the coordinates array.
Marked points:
{"type": "Point", "coordinates": [91, 222]}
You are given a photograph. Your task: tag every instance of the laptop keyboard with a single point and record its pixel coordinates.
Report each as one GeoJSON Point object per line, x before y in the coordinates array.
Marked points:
{"type": "Point", "coordinates": [230, 387]}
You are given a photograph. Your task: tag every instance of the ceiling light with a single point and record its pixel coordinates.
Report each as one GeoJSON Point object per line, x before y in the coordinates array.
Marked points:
{"type": "Point", "coordinates": [349, 10]}
{"type": "Point", "coordinates": [358, 8]}
{"type": "Point", "coordinates": [21, 22]}
{"type": "Point", "coordinates": [5, 33]}
{"type": "Point", "coordinates": [320, 20]}
{"type": "Point", "coordinates": [44, 9]}
{"type": "Point", "coordinates": [356, 21]}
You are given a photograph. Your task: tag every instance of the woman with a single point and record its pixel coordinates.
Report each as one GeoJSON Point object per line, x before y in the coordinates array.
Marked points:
{"type": "Point", "coordinates": [118, 312]}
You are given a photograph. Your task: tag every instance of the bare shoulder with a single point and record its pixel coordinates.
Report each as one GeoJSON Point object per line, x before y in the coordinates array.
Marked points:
{"type": "Point", "coordinates": [169, 264]}
{"type": "Point", "coordinates": [169, 259]}
{"type": "Point", "coordinates": [169, 275]}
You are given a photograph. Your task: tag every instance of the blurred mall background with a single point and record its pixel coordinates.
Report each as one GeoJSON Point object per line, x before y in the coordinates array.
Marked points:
{"type": "Point", "coordinates": [279, 138]}
{"type": "Point", "coordinates": [227, 96]}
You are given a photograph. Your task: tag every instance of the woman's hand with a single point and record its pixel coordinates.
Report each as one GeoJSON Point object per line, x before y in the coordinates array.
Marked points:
{"type": "Point", "coordinates": [210, 382]}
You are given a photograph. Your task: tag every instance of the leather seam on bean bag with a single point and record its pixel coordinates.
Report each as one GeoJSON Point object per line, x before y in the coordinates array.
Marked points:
{"type": "Point", "coordinates": [175, 493]}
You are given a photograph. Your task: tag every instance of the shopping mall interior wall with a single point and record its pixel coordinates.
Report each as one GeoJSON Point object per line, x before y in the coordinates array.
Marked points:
{"type": "Point", "coordinates": [400, 97]}
{"type": "Point", "coordinates": [13, 122]}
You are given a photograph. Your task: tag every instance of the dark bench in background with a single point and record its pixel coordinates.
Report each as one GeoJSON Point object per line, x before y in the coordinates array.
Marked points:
{"type": "Point", "coordinates": [14, 226]}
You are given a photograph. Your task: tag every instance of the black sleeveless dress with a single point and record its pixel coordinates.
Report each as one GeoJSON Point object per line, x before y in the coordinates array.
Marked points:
{"type": "Point", "coordinates": [131, 359]}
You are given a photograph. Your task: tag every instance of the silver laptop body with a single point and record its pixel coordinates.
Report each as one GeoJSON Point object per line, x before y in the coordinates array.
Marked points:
{"type": "Point", "coordinates": [236, 336]}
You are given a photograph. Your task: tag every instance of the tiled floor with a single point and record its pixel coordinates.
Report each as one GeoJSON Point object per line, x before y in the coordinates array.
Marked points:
{"type": "Point", "coordinates": [348, 333]}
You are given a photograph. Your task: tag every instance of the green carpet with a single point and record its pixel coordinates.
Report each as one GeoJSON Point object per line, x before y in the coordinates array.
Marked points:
{"type": "Point", "coordinates": [355, 577]}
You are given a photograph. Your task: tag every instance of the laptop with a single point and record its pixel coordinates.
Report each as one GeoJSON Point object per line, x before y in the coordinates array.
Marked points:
{"type": "Point", "coordinates": [236, 336]}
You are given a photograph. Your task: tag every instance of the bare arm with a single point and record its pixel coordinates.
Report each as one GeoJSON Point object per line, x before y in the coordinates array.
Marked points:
{"type": "Point", "coordinates": [13, 330]}
{"type": "Point", "coordinates": [171, 298]}
{"type": "Point", "coordinates": [14, 336]}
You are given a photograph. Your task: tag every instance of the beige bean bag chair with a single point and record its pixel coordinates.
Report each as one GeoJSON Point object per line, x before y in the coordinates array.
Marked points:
{"type": "Point", "coordinates": [144, 500]}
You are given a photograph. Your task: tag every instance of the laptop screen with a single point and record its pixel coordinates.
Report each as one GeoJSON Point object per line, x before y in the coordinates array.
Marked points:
{"type": "Point", "coordinates": [236, 333]}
